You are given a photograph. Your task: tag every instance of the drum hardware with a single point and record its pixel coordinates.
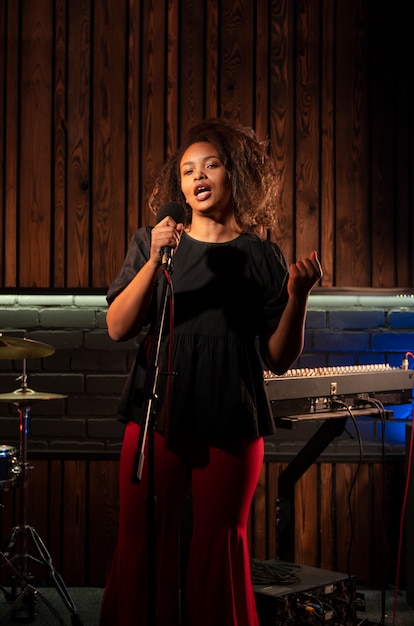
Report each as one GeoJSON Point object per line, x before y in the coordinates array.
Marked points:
{"type": "Point", "coordinates": [16, 348]}
{"type": "Point", "coordinates": [16, 555]}
{"type": "Point", "coordinates": [9, 466]}
{"type": "Point", "coordinates": [27, 597]}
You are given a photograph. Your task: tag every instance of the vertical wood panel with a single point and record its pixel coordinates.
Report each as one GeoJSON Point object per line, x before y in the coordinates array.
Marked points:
{"type": "Point", "coordinates": [78, 129]}
{"type": "Point", "coordinates": [327, 169]}
{"type": "Point", "coordinates": [56, 541]}
{"type": "Point", "coordinates": [3, 30]}
{"type": "Point", "coordinates": [360, 508]}
{"type": "Point", "coordinates": [7, 522]}
{"type": "Point", "coordinates": [197, 75]}
{"type": "Point", "coordinates": [382, 60]}
{"type": "Point", "coordinates": [325, 521]}
{"type": "Point", "coordinates": [153, 150]}
{"type": "Point", "coordinates": [238, 49]}
{"type": "Point", "coordinates": [172, 71]}
{"type": "Point", "coordinates": [352, 519]}
{"type": "Point", "coordinates": [36, 516]}
{"type": "Point", "coordinates": [344, 529]}
{"type": "Point", "coordinates": [379, 539]}
{"type": "Point", "coordinates": [307, 128]}
{"type": "Point", "coordinates": [37, 498]}
{"type": "Point", "coordinates": [260, 93]}
{"type": "Point", "coordinates": [404, 71]}
{"type": "Point", "coordinates": [282, 118]}
{"type": "Point", "coordinates": [110, 43]}
{"type": "Point", "coordinates": [212, 64]}
{"type": "Point", "coordinates": [102, 508]}
{"type": "Point", "coordinates": [74, 522]}
{"type": "Point", "coordinates": [306, 518]}
{"type": "Point", "coordinates": [258, 519]}
{"type": "Point", "coordinates": [272, 476]}
{"type": "Point", "coordinates": [134, 208]}
{"type": "Point", "coordinates": [387, 493]}
{"type": "Point", "coordinates": [7, 517]}
{"type": "Point", "coordinates": [59, 250]}
{"type": "Point", "coordinates": [10, 138]}
{"type": "Point", "coordinates": [36, 143]}
{"type": "Point", "coordinates": [352, 243]}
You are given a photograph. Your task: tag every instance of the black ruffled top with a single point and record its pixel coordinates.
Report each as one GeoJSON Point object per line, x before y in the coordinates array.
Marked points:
{"type": "Point", "coordinates": [227, 299]}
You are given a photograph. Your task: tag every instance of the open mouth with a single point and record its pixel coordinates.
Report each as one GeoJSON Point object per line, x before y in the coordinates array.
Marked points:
{"type": "Point", "coordinates": [201, 190]}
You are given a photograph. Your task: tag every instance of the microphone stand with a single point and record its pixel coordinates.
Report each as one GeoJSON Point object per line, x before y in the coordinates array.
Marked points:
{"type": "Point", "coordinates": [147, 432]}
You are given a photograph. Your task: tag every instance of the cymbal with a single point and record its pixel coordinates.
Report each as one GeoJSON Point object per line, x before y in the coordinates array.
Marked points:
{"type": "Point", "coordinates": [16, 348]}
{"type": "Point", "coordinates": [27, 396]}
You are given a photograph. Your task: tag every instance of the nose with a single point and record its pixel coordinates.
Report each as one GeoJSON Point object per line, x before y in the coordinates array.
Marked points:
{"type": "Point", "coordinates": [199, 175]}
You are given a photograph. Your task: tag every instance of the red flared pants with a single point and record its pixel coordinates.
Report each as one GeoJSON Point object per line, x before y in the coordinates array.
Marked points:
{"type": "Point", "coordinates": [218, 589]}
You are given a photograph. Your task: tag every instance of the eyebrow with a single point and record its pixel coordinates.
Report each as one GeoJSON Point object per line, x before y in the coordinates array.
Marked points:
{"type": "Point", "coordinates": [211, 156]}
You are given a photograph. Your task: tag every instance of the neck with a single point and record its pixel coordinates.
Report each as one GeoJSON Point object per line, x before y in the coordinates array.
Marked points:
{"type": "Point", "coordinates": [213, 231]}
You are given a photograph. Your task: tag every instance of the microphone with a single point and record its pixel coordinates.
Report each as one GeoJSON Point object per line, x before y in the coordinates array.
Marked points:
{"type": "Point", "coordinates": [177, 212]}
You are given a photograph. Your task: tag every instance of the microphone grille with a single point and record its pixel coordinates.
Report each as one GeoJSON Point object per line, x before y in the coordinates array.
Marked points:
{"type": "Point", "coordinates": [174, 210]}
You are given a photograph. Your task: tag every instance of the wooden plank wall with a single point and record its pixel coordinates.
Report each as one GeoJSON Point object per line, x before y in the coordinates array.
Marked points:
{"type": "Point", "coordinates": [347, 519]}
{"type": "Point", "coordinates": [96, 93]}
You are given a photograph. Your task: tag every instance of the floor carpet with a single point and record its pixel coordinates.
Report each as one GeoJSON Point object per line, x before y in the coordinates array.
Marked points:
{"type": "Point", "coordinates": [50, 610]}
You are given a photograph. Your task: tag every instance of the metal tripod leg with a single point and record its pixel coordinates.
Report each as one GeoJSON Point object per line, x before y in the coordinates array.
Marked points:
{"type": "Point", "coordinates": [28, 593]}
{"type": "Point", "coordinates": [18, 558]}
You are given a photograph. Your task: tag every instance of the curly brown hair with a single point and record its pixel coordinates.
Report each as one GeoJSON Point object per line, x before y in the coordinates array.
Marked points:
{"type": "Point", "coordinates": [251, 171]}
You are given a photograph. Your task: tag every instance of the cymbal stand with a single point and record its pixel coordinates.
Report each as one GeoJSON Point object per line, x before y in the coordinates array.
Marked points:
{"type": "Point", "coordinates": [29, 592]}
{"type": "Point", "coordinates": [16, 554]}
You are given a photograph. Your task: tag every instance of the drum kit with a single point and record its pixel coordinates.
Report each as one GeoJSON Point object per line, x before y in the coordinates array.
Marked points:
{"type": "Point", "coordinates": [14, 473]}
